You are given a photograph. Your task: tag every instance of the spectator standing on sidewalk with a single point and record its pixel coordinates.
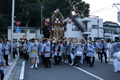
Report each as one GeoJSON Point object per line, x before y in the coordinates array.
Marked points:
{"type": "Point", "coordinates": [6, 50]}
{"type": "Point", "coordinates": [14, 48]}
{"type": "Point", "coordinates": [1, 61]}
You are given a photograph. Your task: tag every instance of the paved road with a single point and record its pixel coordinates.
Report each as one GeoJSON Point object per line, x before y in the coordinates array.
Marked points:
{"type": "Point", "coordinates": [101, 71]}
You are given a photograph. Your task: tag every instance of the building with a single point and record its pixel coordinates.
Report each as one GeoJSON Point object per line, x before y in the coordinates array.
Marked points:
{"type": "Point", "coordinates": [85, 28]}
{"type": "Point", "coordinates": [29, 32]}
{"type": "Point", "coordinates": [111, 30]}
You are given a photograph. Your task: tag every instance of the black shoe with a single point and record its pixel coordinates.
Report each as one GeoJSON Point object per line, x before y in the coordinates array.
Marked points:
{"type": "Point", "coordinates": [35, 67]}
{"type": "Point", "coordinates": [45, 66]}
{"type": "Point", "coordinates": [101, 62]}
{"type": "Point", "coordinates": [7, 64]}
{"type": "Point", "coordinates": [49, 67]}
{"type": "Point", "coordinates": [106, 62]}
{"type": "Point", "coordinates": [90, 65]}
{"type": "Point", "coordinates": [77, 65]}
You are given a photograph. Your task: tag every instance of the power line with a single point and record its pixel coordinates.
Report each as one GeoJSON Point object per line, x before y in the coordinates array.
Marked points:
{"type": "Point", "coordinates": [101, 9]}
{"type": "Point", "coordinates": [116, 6]}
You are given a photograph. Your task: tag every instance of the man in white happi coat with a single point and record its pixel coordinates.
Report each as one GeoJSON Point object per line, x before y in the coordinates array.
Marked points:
{"type": "Point", "coordinates": [91, 54]}
{"type": "Point", "coordinates": [33, 53]}
{"type": "Point", "coordinates": [46, 52]}
{"type": "Point", "coordinates": [1, 61]}
{"type": "Point", "coordinates": [6, 50]}
{"type": "Point", "coordinates": [79, 53]}
{"type": "Point", "coordinates": [114, 50]}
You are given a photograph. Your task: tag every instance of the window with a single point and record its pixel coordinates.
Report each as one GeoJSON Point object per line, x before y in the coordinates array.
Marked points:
{"type": "Point", "coordinates": [75, 28]}
{"type": "Point", "coordinates": [22, 31]}
{"type": "Point", "coordinates": [32, 31]}
{"type": "Point", "coordinates": [108, 31]}
{"type": "Point", "coordinates": [94, 26]}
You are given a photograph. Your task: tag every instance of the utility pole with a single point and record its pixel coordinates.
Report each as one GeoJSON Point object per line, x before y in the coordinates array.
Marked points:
{"type": "Point", "coordinates": [13, 7]}
{"type": "Point", "coordinates": [98, 28]}
{"type": "Point", "coordinates": [115, 4]}
{"type": "Point", "coordinates": [41, 18]}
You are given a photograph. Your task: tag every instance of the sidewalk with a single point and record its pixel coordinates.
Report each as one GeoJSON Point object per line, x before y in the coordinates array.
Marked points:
{"type": "Point", "coordinates": [8, 69]}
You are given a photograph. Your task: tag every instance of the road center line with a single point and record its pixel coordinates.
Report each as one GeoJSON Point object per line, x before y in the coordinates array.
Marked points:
{"type": "Point", "coordinates": [22, 71]}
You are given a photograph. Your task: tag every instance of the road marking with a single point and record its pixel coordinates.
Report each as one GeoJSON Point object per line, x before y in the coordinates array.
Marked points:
{"type": "Point", "coordinates": [22, 71]}
{"type": "Point", "coordinates": [86, 72]}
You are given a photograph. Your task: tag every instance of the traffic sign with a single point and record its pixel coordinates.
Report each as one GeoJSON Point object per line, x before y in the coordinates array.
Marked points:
{"type": "Point", "coordinates": [18, 23]}
{"type": "Point", "coordinates": [17, 30]}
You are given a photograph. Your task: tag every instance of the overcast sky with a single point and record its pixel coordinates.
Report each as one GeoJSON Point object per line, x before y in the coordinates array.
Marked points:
{"type": "Point", "coordinates": [107, 14]}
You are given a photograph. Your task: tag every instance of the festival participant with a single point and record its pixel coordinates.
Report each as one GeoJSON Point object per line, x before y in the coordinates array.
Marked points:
{"type": "Point", "coordinates": [65, 51]}
{"type": "Point", "coordinates": [114, 50]}
{"type": "Point", "coordinates": [85, 50]}
{"type": "Point", "coordinates": [68, 51]}
{"type": "Point", "coordinates": [6, 50]}
{"type": "Point", "coordinates": [103, 48]}
{"type": "Point", "coordinates": [91, 54]}
{"type": "Point", "coordinates": [32, 50]}
{"type": "Point", "coordinates": [1, 61]}
{"type": "Point", "coordinates": [14, 48]}
{"type": "Point", "coordinates": [46, 52]}
{"type": "Point", "coordinates": [98, 49]}
{"type": "Point", "coordinates": [58, 52]}
{"type": "Point", "coordinates": [25, 47]}
{"type": "Point", "coordinates": [79, 54]}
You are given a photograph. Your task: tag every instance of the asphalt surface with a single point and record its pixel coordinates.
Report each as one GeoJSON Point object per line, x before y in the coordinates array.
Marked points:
{"type": "Point", "coordinates": [100, 71]}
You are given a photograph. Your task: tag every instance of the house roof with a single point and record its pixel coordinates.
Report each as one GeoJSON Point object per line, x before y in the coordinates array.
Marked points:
{"type": "Point", "coordinates": [110, 24]}
{"type": "Point", "coordinates": [77, 23]}
{"type": "Point", "coordinates": [21, 27]}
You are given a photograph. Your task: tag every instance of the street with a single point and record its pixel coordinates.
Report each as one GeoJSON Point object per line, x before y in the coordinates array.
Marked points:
{"type": "Point", "coordinates": [100, 71]}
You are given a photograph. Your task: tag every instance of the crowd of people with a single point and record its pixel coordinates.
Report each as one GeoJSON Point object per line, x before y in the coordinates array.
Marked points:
{"type": "Point", "coordinates": [74, 52]}
{"type": "Point", "coordinates": [71, 51]}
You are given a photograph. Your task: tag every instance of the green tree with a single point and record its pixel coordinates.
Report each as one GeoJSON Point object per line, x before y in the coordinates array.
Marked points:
{"type": "Point", "coordinates": [81, 8]}
{"type": "Point", "coordinates": [29, 11]}
{"type": "Point", "coordinates": [51, 5]}
{"type": "Point", "coordinates": [5, 12]}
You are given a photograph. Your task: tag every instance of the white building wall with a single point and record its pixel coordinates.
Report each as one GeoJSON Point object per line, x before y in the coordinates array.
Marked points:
{"type": "Point", "coordinates": [93, 32]}
{"type": "Point", "coordinates": [28, 34]}
{"type": "Point", "coordinates": [73, 34]}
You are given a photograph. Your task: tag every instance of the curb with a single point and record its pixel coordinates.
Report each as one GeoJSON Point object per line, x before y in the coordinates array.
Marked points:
{"type": "Point", "coordinates": [10, 70]}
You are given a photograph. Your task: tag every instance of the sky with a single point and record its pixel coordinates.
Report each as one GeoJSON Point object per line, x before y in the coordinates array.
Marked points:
{"type": "Point", "coordinates": [108, 12]}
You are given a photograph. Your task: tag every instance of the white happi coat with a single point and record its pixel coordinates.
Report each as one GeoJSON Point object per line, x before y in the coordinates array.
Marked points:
{"type": "Point", "coordinates": [5, 48]}
{"type": "Point", "coordinates": [46, 49]}
{"type": "Point", "coordinates": [56, 50]}
{"type": "Point", "coordinates": [1, 58]}
{"type": "Point", "coordinates": [90, 51]}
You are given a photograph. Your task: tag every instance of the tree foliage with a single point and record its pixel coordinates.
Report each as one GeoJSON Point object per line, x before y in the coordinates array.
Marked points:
{"type": "Point", "coordinates": [29, 11]}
